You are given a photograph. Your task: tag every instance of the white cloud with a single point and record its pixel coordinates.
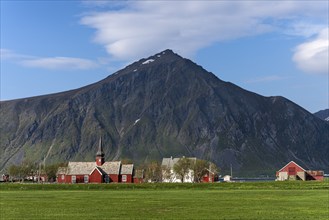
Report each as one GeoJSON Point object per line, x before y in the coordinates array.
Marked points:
{"type": "Point", "coordinates": [67, 63]}
{"type": "Point", "coordinates": [104, 3]}
{"type": "Point", "coordinates": [6, 54]}
{"type": "Point", "coordinates": [60, 63]}
{"type": "Point", "coordinates": [312, 56]}
{"type": "Point", "coordinates": [141, 28]}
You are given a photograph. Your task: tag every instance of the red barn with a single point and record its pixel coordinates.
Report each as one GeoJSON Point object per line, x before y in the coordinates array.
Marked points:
{"type": "Point", "coordinates": [292, 171]}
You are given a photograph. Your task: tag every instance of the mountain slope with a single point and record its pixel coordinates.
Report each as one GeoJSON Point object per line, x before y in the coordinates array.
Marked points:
{"type": "Point", "coordinates": [160, 107]}
{"type": "Point", "coordinates": [323, 114]}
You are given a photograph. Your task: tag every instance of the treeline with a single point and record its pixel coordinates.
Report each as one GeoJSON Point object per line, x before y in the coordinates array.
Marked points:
{"type": "Point", "coordinates": [29, 171]}
{"type": "Point", "coordinates": [150, 172]}
{"type": "Point", "coordinates": [155, 172]}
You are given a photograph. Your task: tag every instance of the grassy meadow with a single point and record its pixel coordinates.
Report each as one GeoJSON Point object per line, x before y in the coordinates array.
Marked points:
{"type": "Point", "coordinates": [270, 200]}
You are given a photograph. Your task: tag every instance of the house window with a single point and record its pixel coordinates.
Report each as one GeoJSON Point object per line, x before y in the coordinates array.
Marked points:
{"type": "Point", "coordinates": [74, 179]}
{"type": "Point", "coordinates": [63, 176]}
{"type": "Point", "coordinates": [124, 178]}
{"type": "Point", "coordinates": [86, 179]}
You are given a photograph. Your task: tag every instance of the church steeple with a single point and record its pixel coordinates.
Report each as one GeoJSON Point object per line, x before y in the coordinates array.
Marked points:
{"type": "Point", "coordinates": [100, 154]}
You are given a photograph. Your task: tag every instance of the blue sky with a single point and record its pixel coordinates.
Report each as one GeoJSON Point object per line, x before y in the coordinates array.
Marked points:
{"type": "Point", "coordinates": [268, 47]}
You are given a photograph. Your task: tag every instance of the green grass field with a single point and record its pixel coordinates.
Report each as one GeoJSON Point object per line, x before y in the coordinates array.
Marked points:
{"type": "Point", "coordinates": [274, 200]}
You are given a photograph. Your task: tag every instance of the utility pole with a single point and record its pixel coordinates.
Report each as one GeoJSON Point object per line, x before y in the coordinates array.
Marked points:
{"type": "Point", "coordinates": [210, 174]}
{"type": "Point", "coordinates": [231, 172]}
{"type": "Point", "coordinates": [39, 172]}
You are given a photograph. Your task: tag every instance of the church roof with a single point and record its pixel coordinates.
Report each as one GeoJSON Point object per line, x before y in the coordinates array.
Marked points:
{"type": "Point", "coordinates": [80, 168]}
{"type": "Point", "coordinates": [112, 167]}
{"type": "Point", "coordinates": [84, 168]}
{"type": "Point", "coordinates": [127, 169]}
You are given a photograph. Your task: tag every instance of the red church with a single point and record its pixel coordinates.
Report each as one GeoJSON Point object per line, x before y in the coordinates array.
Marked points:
{"type": "Point", "coordinates": [292, 171]}
{"type": "Point", "coordinates": [96, 172]}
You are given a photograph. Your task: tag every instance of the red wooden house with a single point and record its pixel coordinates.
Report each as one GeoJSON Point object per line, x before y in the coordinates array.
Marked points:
{"type": "Point", "coordinates": [126, 174]}
{"type": "Point", "coordinates": [292, 171]}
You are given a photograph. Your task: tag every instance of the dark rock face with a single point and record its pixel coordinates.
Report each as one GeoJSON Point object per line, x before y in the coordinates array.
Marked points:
{"type": "Point", "coordinates": [160, 107]}
{"type": "Point", "coordinates": [323, 114]}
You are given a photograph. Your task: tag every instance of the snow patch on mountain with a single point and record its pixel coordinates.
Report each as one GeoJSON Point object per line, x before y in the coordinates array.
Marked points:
{"type": "Point", "coordinates": [137, 121]}
{"type": "Point", "coordinates": [148, 61]}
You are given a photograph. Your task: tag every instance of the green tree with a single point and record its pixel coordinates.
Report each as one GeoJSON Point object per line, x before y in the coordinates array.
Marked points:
{"type": "Point", "coordinates": [15, 172]}
{"type": "Point", "coordinates": [183, 167]}
{"type": "Point", "coordinates": [51, 171]}
{"type": "Point", "coordinates": [200, 169]}
{"type": "Point", "coordinates": [126, 161]}
{"type": "Point", "coordinates": [166, 173]}
{"type": "Point", "coordinates": [203, 167]}
{"type": "Point", "coordinates": [153, 172]}
{"type": "Point", "coordinates": [20, 172]}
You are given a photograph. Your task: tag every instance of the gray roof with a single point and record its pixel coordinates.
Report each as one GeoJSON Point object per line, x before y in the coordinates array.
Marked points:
{"type": "Point", "coordinates": [127, 169]}
{"type": "Point", "coordinates": [80, 168]}
{"type": "Point", "coordinates": [99, 170]}
{"type": "Point", "coordinates": [112, 167]}
{"type": "Point", "coordinates": [170, 162]}
{"type": "Point", "coordinates": [84, 168]}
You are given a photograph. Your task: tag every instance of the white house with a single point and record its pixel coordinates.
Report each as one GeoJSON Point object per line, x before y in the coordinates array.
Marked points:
{"type": "Point", "coordinates": [227, 178]}
{"type": "Point", "coordinates": [168, 174]}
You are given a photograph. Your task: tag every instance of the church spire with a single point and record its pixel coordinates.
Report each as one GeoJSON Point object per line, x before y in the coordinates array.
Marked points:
{"type": "Point", "coordinates": [100, 154]}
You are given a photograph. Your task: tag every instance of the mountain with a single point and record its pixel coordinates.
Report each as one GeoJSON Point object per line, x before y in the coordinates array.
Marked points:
{"type": "Point", "coordinates": [323, 114]}
{"type": "Point", "coordinates": [164, 106]}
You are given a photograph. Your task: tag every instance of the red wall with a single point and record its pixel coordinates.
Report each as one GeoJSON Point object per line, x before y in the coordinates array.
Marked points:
{"type": "Point", "coordinates": [59, 178]}
{"type": "Point", "coordinates": [206, 179]}
{"type": "Point", "coordinates": [79, 178]}
{"type": "Point", "coordinates": [128, 180]}
{"type": "Point", "coordinates": [114, 178]}
{"type": "Point", "coordinates": [95, 177]}
{"type": "Point", "coordinates": [320, 178]}
{"type": "Point", "coordinates": [137, 180]}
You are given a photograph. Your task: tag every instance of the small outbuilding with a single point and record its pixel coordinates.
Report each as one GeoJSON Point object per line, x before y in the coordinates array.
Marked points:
{"type": "Point", "coordinates": [126, 174]}
{"type": "Point", "coordinates": [227, 178]}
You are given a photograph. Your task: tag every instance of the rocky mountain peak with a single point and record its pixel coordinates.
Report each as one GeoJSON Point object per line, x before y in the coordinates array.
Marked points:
{"type": "Point", "coordinates": [163, 106]}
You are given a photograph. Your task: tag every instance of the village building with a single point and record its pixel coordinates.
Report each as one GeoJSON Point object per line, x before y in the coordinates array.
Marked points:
{"type": "Point", "coordinates": [292, 171]}
{"type": "Point", "coordinates": [96, 172]}
{"type": "Point", "coordinates": [169, 175]}
{"type": "Point", "coordinates": [227, 178]}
